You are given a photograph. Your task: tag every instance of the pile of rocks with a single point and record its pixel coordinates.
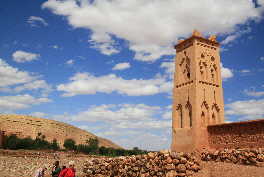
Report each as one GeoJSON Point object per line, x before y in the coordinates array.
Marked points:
{"type": "Point", "coordinates": [237, 156]}
{"type": "Point", "coordinates": [151, 164]}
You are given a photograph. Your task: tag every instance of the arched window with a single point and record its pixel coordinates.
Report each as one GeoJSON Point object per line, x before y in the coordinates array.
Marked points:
{"type": "Point", "coordinates": [202, 70]}
{"type": "Point", "coordinates": [179, 115]}
{"type": "Point", "coordinates": [188, 63]}
{"type": "Point", "coordinates": [204, 114]}
{"type": "Point", "coordinates": [203, 118]}
{"type": "Point", "coordinates": [188, 108]}
{"type": "Point", "coordinates": [213, 119]}
{"type": "Point", "coordinates": [215, 114]}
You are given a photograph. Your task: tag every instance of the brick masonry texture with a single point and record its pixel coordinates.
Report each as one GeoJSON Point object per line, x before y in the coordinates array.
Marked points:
{"type": "Point", "coordinates": [248, 134]}
{"type": "Point", "coordinates": [27, 126]}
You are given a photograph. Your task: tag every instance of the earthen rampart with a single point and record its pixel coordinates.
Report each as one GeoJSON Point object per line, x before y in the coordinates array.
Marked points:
{"type": "Point", "coordinates": [249, 134]}
{"type": "Point", "coordinates": [27, 126]}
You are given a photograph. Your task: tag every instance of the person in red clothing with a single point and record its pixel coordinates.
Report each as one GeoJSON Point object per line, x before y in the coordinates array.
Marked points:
{"type": "Point", "coordinates": [68, 172]}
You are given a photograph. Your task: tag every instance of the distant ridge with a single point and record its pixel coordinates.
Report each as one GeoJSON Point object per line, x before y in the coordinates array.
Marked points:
{"type": "Point", "coordinates": [25, 126]}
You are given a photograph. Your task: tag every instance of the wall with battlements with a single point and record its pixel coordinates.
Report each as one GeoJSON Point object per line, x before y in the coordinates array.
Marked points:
{"type": "Point", "coordinates": [248, 134]}
{"type": "Point", "coordinates": [27, 126]}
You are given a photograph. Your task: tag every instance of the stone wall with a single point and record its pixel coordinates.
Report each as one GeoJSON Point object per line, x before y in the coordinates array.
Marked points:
{"type": "Point", "coordinates": [238, 156]}
{"type": "Point", "coordinates": [248, 134]}
{"type": "Point", "coordinates": [27, 126]}
{"type": "Point", "coordinates": [152, 164]}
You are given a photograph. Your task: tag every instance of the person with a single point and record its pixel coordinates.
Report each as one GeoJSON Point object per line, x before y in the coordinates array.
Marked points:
{"type": "Point", "coordinates": [56, 169]}
{"type": "Point", "coordinates": [68, 172]}
{"type": "Point", "coordinates": [41, 171]}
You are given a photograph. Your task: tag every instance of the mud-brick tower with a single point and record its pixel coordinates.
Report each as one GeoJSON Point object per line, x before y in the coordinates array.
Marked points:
{"type": "Point", "coordinates": [197, 93]}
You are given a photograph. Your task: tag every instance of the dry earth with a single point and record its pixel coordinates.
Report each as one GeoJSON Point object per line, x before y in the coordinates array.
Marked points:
{"type": "Point", "coordinates": [221, 169]}
{"type": "Point", "coordinates": [24, 163]}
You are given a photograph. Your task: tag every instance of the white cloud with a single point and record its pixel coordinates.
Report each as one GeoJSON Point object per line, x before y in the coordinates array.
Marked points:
{"type": "Point", "coordinates": [229, 39]}
{"type": "Point", "coordinates": [245, 71]}
{"type": "Point", "coordinates": [169, 68]}
{"type": "Point", "coordinates": [249, 109]}
{"type": "Point", "coordinates": [38, 114]}
{"type": "Point", "coordinates": [22, 56]}
{"type": "Point", "coordinates": [121, 66]}
{"type": "Point", "coordinates": [20, 102]}
{"type": "Point", "coordinates": [124, 122]}
{"type": "Point", "coordinates": [70, 62]}
{"type": "Point", "coordinates": [35, 21]}
{"type": "Point", "coordinates": [167, 115]}
{"type": "Point", "coordinates": [226, 73]}
{"type": "Point", "coordinates": [103, 43]}
{"type": "Point", "coordinates": [235, 35]}
{"type": "Point", "coordinates": [20, 80]}
{"type": "Point", "coordinates": [85, 83]}
{"type": "Point", "coordinates": [262, 58]}
{"type": "Point", "coordinates": [35, 85]}
{"type": "Point", "coordinates": [142, 140]}
{"type": "Point", "coordinates": [254, 93]}
{"type": "Point", "coordinates": [11, 76]}
{"type": "Point", "coordinates": [223, 49]}
{"type": "Point", "coordinates": [152, 27]}
{"type": "Point", "coordinates": [118, 113]}
{"type": "Point", "coordinates": [57, 47]}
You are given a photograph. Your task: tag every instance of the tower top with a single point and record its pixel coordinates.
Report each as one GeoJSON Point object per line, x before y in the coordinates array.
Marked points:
{"type": "Point", "coordinates": [198, 35]}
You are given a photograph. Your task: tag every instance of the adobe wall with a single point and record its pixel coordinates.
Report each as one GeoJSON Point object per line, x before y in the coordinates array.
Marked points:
{"type": "Point", "coordinates": [1, 138]}
{"type": "Point", "coordinates": [248, 134]}
{"type": "Point", "coordinates": [27, 126]}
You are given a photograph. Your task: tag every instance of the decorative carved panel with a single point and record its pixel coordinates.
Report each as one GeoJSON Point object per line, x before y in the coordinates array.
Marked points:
{"type": "Point", "coordinates": [185, 67]}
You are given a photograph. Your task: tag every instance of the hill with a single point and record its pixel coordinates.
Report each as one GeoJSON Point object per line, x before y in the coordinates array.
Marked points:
{"type": "Point", "coordinates": [28, 126]}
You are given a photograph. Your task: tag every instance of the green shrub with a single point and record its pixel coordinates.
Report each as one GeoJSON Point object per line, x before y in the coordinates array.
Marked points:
{"type": "Point", "coordinates": [54, 145]}
{"type": "Point", "coordinates": [69, 144]}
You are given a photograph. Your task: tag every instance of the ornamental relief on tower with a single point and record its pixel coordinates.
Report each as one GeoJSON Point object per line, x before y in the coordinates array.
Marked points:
{"type": "Point", "coordinates": [208, 67]}
{"type": "Point", "coordinates": [185, 67]}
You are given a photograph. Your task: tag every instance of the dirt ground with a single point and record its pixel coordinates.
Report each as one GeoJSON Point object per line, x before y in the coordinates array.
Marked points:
{"type": "Point", "coordinates": [221, 169]}
{"type": "Point", "coordinates": [25, 163]}
{"type": "Point", "coordinates": [21, 164]}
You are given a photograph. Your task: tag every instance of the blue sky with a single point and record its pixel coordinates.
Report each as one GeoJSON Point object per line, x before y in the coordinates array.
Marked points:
{"type": "Point", "coordinates": [106, 66]}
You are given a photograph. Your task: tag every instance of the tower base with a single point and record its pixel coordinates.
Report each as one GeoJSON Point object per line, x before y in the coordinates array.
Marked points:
{"type": "Point", "coordinates": [189, 140]}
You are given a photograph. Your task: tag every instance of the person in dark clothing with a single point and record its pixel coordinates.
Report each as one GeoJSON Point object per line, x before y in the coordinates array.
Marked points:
{"type": "Point", "coordinates": [56, 169]}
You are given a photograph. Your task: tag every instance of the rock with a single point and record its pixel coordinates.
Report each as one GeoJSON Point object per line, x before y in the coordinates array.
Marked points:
{"type": "Point", "coordinates": [181, 175]}
{"type": "Point", "coordinates": [171, 173]}
{"type": "Point", "coordinates": [175, 161]}
{"type": "Point", "coordinates": [252, 160]}
{"type": "Point", "coordinates": [170, 167]}
{"type": "Point", "coordinates": [181, 168]}
{"type": "Point", "coordinates": [152, 164]}
{"type": "Point", "coordinates": [189, 173]}
{"type": "Point", "coordinates": [165, 151]}
{"type": "Point", "coordinates": [151, 155]}
{"type": "Point", "coordinates": [260, 157]}
{"type": "Point", "coordinates": [169, 160]}
{"type": "Point", "coordinates": [195, 168]}
{"type": "Point", "coordinates": [183, 160]}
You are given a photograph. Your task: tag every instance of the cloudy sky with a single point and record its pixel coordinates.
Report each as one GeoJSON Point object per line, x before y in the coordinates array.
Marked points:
{"type": "Point", "coordinates": [106, 65]}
